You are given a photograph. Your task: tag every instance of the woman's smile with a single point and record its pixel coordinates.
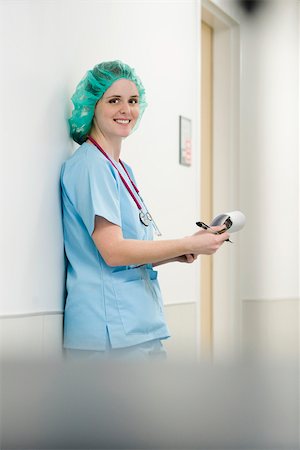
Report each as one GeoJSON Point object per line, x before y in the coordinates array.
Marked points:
{"type": "Point", "coordinates": [122, 121]}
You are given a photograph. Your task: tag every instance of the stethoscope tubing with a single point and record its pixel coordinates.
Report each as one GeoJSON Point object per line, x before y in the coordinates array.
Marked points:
{"type": "Point", "coordinates": [144, 217]}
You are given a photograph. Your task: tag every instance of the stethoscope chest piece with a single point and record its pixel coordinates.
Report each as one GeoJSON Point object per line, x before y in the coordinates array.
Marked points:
{"type": "Point", "coordinates": [145, 218]}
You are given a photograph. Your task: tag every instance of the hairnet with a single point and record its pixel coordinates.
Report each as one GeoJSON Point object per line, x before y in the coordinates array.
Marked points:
{"type": "Point", "coordinates": [92, 87]}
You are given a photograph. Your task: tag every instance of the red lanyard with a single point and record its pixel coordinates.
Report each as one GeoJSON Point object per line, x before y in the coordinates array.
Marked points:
{"type": "Point", "coordinates": [121, 176]}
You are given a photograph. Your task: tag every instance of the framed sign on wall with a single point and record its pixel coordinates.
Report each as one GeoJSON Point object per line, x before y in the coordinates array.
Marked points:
{"type": "Point", "coordinates": [185, 141]}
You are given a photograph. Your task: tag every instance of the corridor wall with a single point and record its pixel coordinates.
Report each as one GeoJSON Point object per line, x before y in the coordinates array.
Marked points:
{"type": "Point", "coordinates": [46, 48]}
{"type": "Point", "coordinates": [269, 176]}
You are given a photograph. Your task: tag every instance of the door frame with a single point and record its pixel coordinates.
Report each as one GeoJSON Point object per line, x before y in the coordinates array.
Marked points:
{"type": "Point", "coordinates": [206, 187]}
{"type": "Point", "coordinates": [226, 307]}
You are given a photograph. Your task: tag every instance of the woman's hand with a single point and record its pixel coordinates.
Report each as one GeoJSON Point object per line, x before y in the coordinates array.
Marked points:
{"type": "Point", "coordinates": [205, 242]}
{"type": "Point", "coordinates": [183, 259]}
{"type": "Point", "coordinates": [186, 258]}
{"type": "Point", "coordinates": [210, 244]}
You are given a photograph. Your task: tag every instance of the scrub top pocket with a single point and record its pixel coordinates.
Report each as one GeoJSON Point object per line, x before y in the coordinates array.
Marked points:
{"type": "Point", "coordinates": [139, 300]}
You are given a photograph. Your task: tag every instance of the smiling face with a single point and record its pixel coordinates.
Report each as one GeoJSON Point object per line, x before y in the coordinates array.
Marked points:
{"type": "Point", "coordinates": [116, 113]}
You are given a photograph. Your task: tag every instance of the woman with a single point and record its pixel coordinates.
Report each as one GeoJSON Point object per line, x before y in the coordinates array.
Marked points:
{"type": "Point", "coordinates": [114, 304]}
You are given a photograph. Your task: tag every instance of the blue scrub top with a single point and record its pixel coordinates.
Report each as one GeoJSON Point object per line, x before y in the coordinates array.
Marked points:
{"type": "Point", "coordinates": [123, 301]}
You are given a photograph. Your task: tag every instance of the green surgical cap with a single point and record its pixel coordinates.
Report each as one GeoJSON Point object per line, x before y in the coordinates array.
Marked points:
{"type": "Point", "coordinates": [91, 88]}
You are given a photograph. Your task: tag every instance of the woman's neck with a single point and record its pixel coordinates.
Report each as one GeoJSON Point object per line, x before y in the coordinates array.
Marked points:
{"type": "Point", "coordinates": [110, 146]}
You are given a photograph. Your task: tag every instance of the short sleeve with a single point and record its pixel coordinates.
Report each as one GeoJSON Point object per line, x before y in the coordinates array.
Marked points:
{"type": "Point", "coordinates": [93, 189]}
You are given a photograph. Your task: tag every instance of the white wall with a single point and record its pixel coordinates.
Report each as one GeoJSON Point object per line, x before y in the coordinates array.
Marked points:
{"type": "Point", "coordinates": [271, 187]}
{"type": "Point", "coordinates": [269, 175]}
{"type": "Point", "coordinates": [46, 48]}
{"type": "Point", "coordinates": [34, 143]}
{"type": "Point", "coordinates": [270, 147]}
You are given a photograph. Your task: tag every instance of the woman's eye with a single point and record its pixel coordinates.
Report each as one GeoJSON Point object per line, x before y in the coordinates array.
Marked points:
{"type": "Point", "coordinates": [132, 101]}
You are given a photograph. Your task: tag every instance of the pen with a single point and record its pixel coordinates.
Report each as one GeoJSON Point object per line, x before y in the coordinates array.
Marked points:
{"type": "Point", "coordinates": [207, 227]}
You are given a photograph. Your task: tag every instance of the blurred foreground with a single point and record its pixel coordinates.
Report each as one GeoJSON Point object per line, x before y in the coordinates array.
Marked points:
{"type": "Point", "coordinates": [59, 405]}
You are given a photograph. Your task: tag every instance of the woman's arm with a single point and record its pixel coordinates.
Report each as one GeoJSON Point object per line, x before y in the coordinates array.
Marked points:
{"type": "Point", "coordinates": [118, 251]}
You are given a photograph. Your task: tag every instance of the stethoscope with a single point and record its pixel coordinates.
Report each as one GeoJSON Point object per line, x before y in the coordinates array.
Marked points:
{"type": "Point", "coordinates": [145, 217]}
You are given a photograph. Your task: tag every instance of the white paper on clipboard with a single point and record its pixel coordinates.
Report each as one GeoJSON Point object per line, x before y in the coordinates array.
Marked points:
{"type": "Point", "coordinates": [234, 221]}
